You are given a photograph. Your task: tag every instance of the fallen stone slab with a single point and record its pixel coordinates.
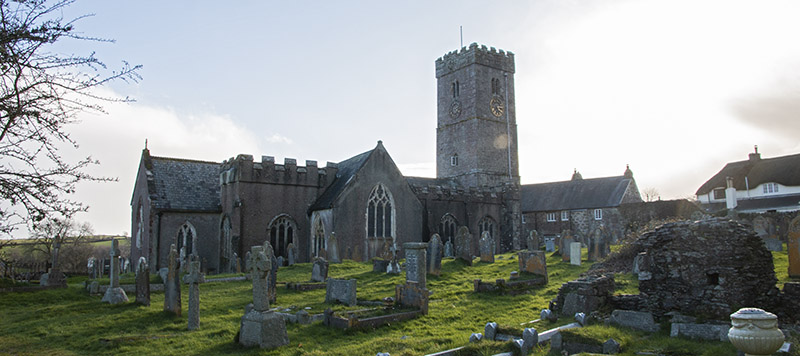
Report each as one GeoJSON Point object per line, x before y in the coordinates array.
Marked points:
{"type": "Point", "coordinates": [634, 319]}
{"type": "Point", "coordinates": [700, 331]}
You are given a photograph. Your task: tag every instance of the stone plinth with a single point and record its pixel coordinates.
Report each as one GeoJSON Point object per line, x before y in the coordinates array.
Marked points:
{"type": "Point", "coordinates": [264, 329]}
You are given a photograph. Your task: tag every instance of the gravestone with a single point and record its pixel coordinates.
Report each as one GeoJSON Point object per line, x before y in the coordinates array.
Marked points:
{"type": "Point", "coordinates": [341, 290]}
{"type": "Point", "coordinates": [463, 245]}
{"type": "Point", "coordinates": [238, 267]}
{"type": "Point", "coordinates": [599, 245]}
{"type": "Point", "coordinates": [280, 261]}
{"type": "Point", "coordinates": [415, 263]}
{"type": "Point", "coordinates": [142, 282]}
{"type": "Point", "coordinates": [532, 241]}
{"type": "Point", "coordinates": [260, 326]}
{"type": "Point", "coordinates": [114, 294]}
{"type": "Point", "coordinates": [549, 244]}
{"type": "Point", "coordinates": [386, 250]}
{"type": "Point", "coordinates": [490, 330]}
{"type": "Point", "coordinates": [194, 278]}
{"type": "Point", "coordinates": [90, 267]}
{"type": "Point", "coordinates": [333, 249]}
{"type": "Point", "coordinates": [272, 290]}
{"type": "Point", "coordinates": [575, 253]}
{"type": "Point", "coordinates": [794, 247]}
{"type": "Point", "coordinates": [435, 255]}
{"type": "Point", "coordinates": [448, 249]}
{"type": "Point", "coordinates": [765, 229]}
{"type": "Point", "coordinates": [291, 254]}
{"type": "Point", "coordinates": [172, 287]}
{"type": "Point", "coordinates": [564, 242]}
{"type": "Point", "coordinates": [246, 265]}
{"type": "Point", "coordinates": [534, 262]}
{"type": "Point", "coordinates": [319, 273]}
{"type": "Point", "coordinates": [486, 245]}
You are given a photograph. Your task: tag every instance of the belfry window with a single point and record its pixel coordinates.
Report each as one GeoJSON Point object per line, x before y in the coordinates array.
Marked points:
{"type": "Point", "coordinates": [454, 88]}
{"type": "Point", "coordinates": [495, 86]}
{"type": "Point", "coordinates": [454, 160]}
{"type": "Point", "coordinates": [380, 215]}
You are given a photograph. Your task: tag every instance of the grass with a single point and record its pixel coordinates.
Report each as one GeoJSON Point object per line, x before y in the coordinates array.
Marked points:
{"type": "Point", "coordinates": [70, 322]}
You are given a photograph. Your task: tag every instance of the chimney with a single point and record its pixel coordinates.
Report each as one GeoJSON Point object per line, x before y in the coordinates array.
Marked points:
{"type": "Point", "coordinates": [754, 157]}
{"type": "Point", "coordinates": [730, 194]}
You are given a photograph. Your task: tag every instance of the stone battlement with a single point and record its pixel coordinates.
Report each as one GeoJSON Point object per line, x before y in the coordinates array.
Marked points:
{"type": "Point", "coordinates": [436, 192]}
{"type": "Point", "coordinates": [243, 168]}
{"type": "Point", "coordinates": [491, 57]}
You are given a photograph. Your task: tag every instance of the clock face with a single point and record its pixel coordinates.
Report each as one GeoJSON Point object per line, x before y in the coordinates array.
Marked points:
{"type": "Point", "coordinates": [455, 109]}
{"type": "Point", "coordinates": [496, 105]}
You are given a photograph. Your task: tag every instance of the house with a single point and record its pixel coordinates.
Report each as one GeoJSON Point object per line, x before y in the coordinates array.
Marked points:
{"type": "Point", "coordinates": [755, 185]}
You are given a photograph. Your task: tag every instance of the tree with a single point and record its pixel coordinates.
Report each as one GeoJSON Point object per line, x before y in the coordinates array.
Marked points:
{"type": "Point", "coordinates": [65, 233]}
{"type": "Point", "coordinates": [41, 92]}
{"type": "Point", "coordinates": [651, 194]}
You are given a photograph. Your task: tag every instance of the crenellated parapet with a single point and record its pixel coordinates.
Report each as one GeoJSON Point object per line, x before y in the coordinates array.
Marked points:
{"type": "Point", "coordinates": [458, 193]}
{"type": "Point", "coordinates": [473, 54]}
{"type": "Point", "coordinates": [244, 168]}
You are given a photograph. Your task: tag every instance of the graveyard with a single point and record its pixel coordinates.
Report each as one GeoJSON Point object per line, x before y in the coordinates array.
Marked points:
{"type": "Point", "coordinates": [71, 321]}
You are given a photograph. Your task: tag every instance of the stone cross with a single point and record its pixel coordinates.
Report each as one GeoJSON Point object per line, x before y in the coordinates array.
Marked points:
{"type": "Point", "coordinates": [272, 289]}
{"type": "Point", "coordinates": [194, 278]}
{"type": "Point", "coordinates": [142, 282]}
{"type": "Point", "coordinates": [415, 263]}
{"type": "Point", "coordinates": [172, 287]}
{"type": "Point", "coordinates": [114, 294]}
{"type": "Point", "coordinates": [260, 267]}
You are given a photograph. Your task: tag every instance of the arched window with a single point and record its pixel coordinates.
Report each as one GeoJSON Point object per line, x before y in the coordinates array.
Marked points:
{"type": "Point", "coordinates": [380, 215]}
{"type": "Point", "coordinates": [447, 228]}
{"type": "Point", "coordinates": [318, 237]}
{"type": "Point", "coordinates": [487, 224]}
{"type": "Point", "coordinates": [187, 242]}
{"type": "Point", "coordinates": [139, 228]}
{"type": "Point", "coordinates": [226, 247]}
{"type": "Point", "coordinates": [281, 233]}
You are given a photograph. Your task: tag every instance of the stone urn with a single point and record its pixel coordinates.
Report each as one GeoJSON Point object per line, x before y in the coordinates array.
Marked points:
{"type": "Point", "coordinates": [755, 332]}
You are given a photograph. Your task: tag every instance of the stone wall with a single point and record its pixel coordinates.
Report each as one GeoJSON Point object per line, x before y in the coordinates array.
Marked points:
{"type": "Point", "coordinates": [205, 224]}
{"type": "Point", "coordinates": [707, 267]}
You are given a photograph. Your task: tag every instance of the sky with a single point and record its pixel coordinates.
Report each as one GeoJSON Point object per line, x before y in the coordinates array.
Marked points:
{"type": "Point", "coordinates": [673, 88]}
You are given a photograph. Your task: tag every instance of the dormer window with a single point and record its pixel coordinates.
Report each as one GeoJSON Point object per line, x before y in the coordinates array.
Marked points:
{"type": "Point", "coordinates": [770, 188]}
{"type": "Point", "coordinates": [719, 193]}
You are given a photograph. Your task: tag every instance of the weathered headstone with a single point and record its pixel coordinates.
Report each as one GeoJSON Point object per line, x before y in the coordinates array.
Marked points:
{"type": "Point", "coordinates": [291, 254]}
{"type": "Point", "coordinates": [333, 249]}
{"type": "Point", "coordinates": [238, 263]}
{"type": "Point", "coordinates": [415, 263]}
{"type": "Point", "coordinates": [260, 326]}
{"type": "Point", "coordinates": [272, 290]}
{"type": "Point", "coordinates": [435, 255]}
{"type": "Point", "coordinates": [280, 261]}
{"type": "Point", "coordinates": [319, 272]}
{"type": "Point", "coordinates": [194, 278]}
{"type": "Point", "coordinates": [490, 330]}
{"type": "Point", "coordinates": [575, 253]}
{"type": "Point", "coordinates": [794, 247]}
{"type": "Point", "coordinates": [599, 245]}
{"type": "Point", "coordinates": [463, 245]}
{"type": "Point", "coordinates": [486, 245]}
{"type": "Point", "coordinates": [114, 294]}
{"type": "Point", "coordinates": [142, 282]}
{"type": "Point", "coordinates": [564, 245]}
{"type": "Point", "coordinates": [549, 244]}
{"type": "Point", "coordinates": [533, 262]}
{"type": "Point", "coordinates": [765, 229]}
{"type": "Point", "coordinates": [341, 290]}
{"type": "Point", "coordinates": [532, 242]}
{"type": "Point", "coordinates": [172, 287]}
{"type": "Point", "coordinates": [448, 249]}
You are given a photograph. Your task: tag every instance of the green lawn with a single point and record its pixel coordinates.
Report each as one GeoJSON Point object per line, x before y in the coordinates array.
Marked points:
{"type": "Point", "coordinates": [70, 322]}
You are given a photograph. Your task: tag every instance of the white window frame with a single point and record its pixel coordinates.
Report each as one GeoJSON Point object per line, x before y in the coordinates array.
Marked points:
{"type": "Point", "coordinates": [551, 217]}
{"type": "Point", "coordinates": [564, 215]}
{"type": "Point", "coordinates": [598, 214]}
{"type": "Point", "coordinates": [770, 188]}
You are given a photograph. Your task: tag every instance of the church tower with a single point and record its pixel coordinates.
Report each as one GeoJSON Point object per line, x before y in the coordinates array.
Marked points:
{"type": "Point", "coordinates": [476, 133]}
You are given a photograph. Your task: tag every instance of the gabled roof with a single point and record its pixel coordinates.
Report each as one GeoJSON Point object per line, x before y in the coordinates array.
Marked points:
{"type": "Point", "coordinates": [575, 194]}
{"type": "Point", "coordinates": [784, 170]}
{"type": "Point", "coordinates": [347, 169]}
{"type": "Point", "coordinates": [181, 184]}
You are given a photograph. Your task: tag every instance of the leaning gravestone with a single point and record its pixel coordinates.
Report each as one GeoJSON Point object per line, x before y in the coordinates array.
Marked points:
{"type": "Point", "coordinates": [794, 247]}
{"type": "Point", "coordinates": [448, 249]}
{"type": "Point", "coordinates": [260, 326]}
{"type": "Point", "coordinates": [319, 273]}
{"type": "Point", "coordinates": [435, 255]}
{"type": "Point", "coordinates": [463, 245]}
{"type": "Point", "coordinates": [533, 241]}
{"type": "Point", "coordinates": [114, 294]}
{"type": "Point", "coordinates": [142, 282]}
{"type": "Point", "coordinates": [341, 290]}
{"type": "Point", "coordinates": [194, 278]}
{"type": "Point", "coordinates": [486, 245]}
{"type": "Point", "coordinates": [172, 287]}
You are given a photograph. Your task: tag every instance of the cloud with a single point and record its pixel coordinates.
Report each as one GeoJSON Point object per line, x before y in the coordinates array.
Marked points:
{"type": "Point", "coordinates": [777, 112]}
{"type": "Point", "coordinates": [276, 138]}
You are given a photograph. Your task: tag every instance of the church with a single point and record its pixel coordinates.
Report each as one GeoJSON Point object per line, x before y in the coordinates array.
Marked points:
{"type": "Point", "coordinates": [356, 209]}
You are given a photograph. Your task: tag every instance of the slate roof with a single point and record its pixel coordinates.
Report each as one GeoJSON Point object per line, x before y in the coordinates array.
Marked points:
{"type": "Point", "coordinates": [784, 170]}
{"type": "Point", "coordinates": [574, 194]}
{"type": "Point", "coordinates": [347, 169]}
{"type": "Point", "coordinates": [180, 184]}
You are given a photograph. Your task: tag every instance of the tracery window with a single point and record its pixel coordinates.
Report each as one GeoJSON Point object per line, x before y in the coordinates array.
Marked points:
{"type": "Point", "coordinates": [380, 215]}
{"type": "Point", "coordinates": [281, 233]}
{"type": "Point", "coordinates": [318, 237]}
{"type": "Point", "coordinates": [226, 238]}
{"type": "Point", "coordinates": [487, 224]}
{"type": "Point", "coordinates": [447, 228]}
{"type": "Point", "coordinates": [187, 242]}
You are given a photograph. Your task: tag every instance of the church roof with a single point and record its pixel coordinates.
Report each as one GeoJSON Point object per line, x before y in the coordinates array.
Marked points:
{"type": "Point", "coordinates": [346, 170]}
{"type": "Point", "coordinates": [784, 170]}
{"type": "Point", "coordinates": [575, 194]}
{"type": "Point", "coordinates": [181, 184]}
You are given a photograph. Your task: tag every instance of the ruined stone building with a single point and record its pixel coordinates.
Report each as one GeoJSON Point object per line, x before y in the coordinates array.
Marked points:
{"type": "Point", "coordinates": [358, 208]}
